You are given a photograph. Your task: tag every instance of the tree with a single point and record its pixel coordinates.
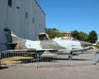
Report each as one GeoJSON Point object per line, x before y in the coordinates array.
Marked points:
{"type": "Point", "coordinates": [79, 35]}
{"type": "Point", "coordinates": [75, 34]}
{"type": "Point", "coordinates": [54, 33]}
{"type": "Point", "coordinates": [50, 32]}
{"type": "Point", "coordinates": [92, 37]}
{"type": "Point", "coordinates": [83, 36]}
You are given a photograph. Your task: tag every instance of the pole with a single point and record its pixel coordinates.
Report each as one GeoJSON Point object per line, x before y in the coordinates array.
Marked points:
{"type": "Point", "coordinates": [0, 59]}
{"type": "Point", "coordinates": [37, 59]}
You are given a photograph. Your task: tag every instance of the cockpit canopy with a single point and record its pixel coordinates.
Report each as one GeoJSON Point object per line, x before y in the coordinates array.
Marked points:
{"type": "Point", "coordinates": [43, 36]}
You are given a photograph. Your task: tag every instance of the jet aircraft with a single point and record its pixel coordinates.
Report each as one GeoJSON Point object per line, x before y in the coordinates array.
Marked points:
{"type": "Point", "coordinates": [59, 45]}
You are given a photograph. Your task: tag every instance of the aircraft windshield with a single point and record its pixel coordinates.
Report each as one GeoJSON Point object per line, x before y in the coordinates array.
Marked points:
{"type": "Point", "coordinates": [43, 37]}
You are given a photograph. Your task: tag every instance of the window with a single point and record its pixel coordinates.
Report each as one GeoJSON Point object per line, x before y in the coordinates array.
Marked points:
{"type": "Point", "coordinates": [10, 3]}
{"type": "Point", "coordinates": [18, 7]}
{"type": "Point", "coordinates": [33, 20]}
{"type": "Point", "coordinates": [26, 15]}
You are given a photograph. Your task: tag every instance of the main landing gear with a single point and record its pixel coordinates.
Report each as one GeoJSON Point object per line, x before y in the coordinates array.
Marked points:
{"type": "Point", "coordinates": [70, 56]}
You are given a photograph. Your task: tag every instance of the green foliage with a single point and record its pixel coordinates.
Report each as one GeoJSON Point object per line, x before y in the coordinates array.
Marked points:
{"type": "Point", "coordinates": [54, 33]}
{"type": "Point", "coordinates": [75, 34]}
{"type": "Point", "coordinates": [93, 37]}
{"type": "Point", "coordinates": [83, 36]}
{"type": "Point", "coordinates": [79, 35]}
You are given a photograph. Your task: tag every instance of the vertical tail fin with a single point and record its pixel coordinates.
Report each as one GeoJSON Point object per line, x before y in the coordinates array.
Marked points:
{"type": "Point", "coordinates": [10, 36]}
{"type": "Point", "coordinates": [11, 39]}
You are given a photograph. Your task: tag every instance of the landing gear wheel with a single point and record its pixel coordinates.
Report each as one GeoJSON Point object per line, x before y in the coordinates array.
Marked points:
{"type": "Point", "coordinates": [70, 57]}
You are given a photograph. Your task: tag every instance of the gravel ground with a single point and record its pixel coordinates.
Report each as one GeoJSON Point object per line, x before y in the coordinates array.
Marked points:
{"type": "Point", "coordinates": [81, 67]}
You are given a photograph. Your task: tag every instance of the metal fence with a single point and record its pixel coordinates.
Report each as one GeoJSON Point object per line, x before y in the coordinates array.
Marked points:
{"type": "Point", "coordinates": [35, 59]}
{"type": "Point", "coordinates": [13, 58]}
{"type": "Point", "coordinates": [9, 58]}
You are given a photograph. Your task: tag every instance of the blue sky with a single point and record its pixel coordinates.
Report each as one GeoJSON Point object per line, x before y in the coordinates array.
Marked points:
{"type": "Point", "coordinates": [68, 15]}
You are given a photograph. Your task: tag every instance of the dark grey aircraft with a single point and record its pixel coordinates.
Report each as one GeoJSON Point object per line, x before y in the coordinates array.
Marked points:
{"type": "Point", "coordinates": [60, 45]}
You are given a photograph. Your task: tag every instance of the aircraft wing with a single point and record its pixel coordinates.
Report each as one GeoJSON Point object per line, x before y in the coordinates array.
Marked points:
{"type": "Point", "coordinates": [31, 50]}
{"type": "Point", "coordinates": [73, 51]}
{"type": "Point", "coordinates": [84, 49]}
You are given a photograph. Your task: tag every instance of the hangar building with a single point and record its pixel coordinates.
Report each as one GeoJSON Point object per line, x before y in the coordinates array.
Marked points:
{"type": "Point", "coordinates": [24, 17]}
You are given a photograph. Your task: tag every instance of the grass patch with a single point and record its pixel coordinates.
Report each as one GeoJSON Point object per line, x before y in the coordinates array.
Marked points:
{"type": "Point", "coordinates": [14, 59]}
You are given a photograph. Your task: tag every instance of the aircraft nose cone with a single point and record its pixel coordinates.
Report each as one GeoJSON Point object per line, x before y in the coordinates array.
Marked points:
{"type": "Point", "coordinates": [85, 44]}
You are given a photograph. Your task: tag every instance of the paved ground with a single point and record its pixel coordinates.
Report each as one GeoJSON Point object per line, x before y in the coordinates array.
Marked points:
{"type": "Point", "coordinates": [81, 67]}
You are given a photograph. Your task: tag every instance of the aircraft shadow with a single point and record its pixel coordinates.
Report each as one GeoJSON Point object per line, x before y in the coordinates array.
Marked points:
{"type": "Point", "coordinates": [5, 67]}
{"type": "Point", "coordinates": [50, 59]}
{"type": "Point", "coordinates": [62, 59]}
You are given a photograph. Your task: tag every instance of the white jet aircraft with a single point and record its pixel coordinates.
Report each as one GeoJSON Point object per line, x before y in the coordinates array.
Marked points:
{"type": "Point", "coordinates": [60, 45]}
